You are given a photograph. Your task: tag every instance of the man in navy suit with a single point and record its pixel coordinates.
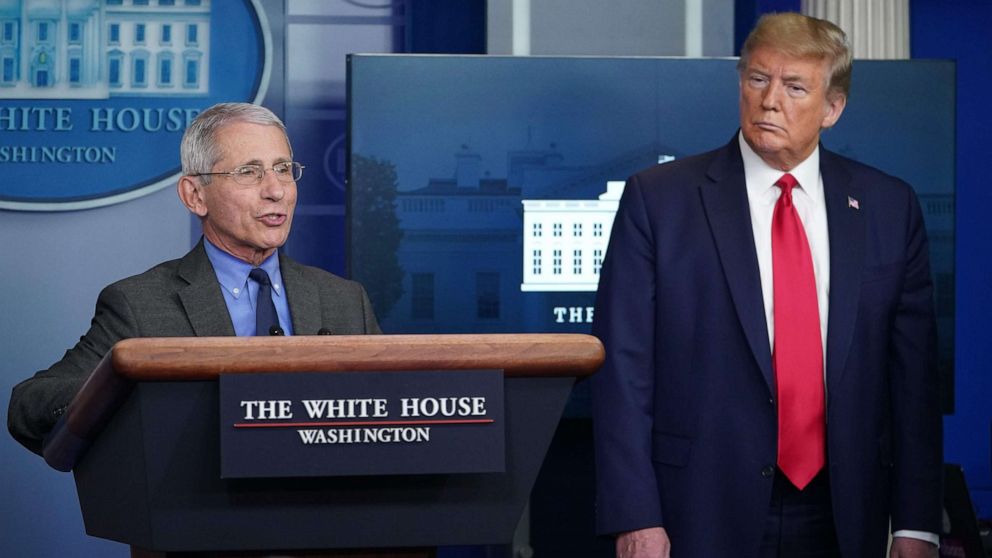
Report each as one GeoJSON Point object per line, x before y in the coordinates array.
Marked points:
{"type": "Point", "coordinates": [770, 387]}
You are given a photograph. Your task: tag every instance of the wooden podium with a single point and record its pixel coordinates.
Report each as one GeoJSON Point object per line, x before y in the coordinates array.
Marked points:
{"type": "Point", "coordinates": [142, 439]}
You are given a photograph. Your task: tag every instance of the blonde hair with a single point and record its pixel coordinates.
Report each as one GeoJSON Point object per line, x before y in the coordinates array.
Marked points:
{"type": "Point", "coordinates": [803, 37]}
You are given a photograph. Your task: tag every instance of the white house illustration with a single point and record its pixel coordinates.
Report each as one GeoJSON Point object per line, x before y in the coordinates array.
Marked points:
{"type": "Point", "coordinates": [565, 240]}
{"type": "Point", "coordinates": [95, 49]}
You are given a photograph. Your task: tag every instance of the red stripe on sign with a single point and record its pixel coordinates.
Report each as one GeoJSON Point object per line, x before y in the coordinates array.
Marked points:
{"type": "Point", "coordinates": [367, 423]}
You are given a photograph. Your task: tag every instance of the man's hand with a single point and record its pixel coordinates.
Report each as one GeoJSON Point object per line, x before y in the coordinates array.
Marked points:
{"type": "Point", "coordinates": [649, 543]}
{"type": "Point", "coordinates": [906, 547]}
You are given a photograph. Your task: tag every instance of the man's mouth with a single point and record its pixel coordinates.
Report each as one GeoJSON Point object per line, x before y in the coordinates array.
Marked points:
{"type": "Point", "coordinates": [768, 126]}
{"type": "Point", "coordinates": [273, 219]}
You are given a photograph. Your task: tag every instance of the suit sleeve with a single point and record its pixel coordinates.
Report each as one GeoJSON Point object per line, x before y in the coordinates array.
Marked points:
{"type": "Point", "coordinates": [623, 389]}
{"type": "Point", "coordinates": [368, 313]}
{"type": "Point", "coordinates": [915, 392]}
{"type": "Point", "coordinates": [37, 403]}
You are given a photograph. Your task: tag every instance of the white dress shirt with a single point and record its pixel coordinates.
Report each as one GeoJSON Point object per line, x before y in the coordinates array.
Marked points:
{"type": "Point", "coordinates": [762, 194]}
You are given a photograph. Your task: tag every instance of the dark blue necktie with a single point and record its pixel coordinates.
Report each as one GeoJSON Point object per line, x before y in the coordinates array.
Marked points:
{"type": "Point", "coordinates": [266, 317]}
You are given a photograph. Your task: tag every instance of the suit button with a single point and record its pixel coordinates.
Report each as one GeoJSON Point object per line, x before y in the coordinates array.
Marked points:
{"type": "Point", "coordinates": [771, 400]}
{"type": "Point", "coordinates": [768, 471]}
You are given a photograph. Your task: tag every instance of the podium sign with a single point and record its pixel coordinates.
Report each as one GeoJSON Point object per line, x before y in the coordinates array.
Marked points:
{"type": "Point", "coordinates": [313, 424]}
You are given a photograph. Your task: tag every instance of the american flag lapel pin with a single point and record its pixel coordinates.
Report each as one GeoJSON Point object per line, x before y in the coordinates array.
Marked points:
{"type": "Point", "coordinates": [853, 203]}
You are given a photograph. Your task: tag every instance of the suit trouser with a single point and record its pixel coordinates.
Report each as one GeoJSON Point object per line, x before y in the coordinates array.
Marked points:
{"type": "Point", "coordinates": [800, 523]}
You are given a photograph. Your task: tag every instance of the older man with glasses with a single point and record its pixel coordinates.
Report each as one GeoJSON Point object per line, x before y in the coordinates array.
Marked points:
{"type": "Point", "coordinates": [239, 178]}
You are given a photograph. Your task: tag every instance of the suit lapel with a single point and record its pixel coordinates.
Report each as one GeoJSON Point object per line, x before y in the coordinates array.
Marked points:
{"type": "Point", "coordinates": [302, 297]}
{"type": "Point", "coordinates": [725, 201]}
{"type": "Point", "coordinates": [202, 298]}
{"type": "Point", "coordinates": [846, 228]}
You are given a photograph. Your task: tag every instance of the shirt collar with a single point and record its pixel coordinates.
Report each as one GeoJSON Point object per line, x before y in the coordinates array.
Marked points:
{"type": "Point", "coordinates": [232, 273]}
{"type": "Point", "coordinates": [761, 177]}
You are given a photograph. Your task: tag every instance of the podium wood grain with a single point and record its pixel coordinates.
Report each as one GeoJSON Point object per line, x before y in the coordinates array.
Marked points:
{"type": "Point", "coordinates": [203, 358]}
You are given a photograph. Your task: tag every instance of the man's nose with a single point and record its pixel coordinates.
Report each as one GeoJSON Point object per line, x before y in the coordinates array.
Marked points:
{"type": "Point", "coordinates": [271, 187]}
{"type": "Point", "coordinates": [771, 99]}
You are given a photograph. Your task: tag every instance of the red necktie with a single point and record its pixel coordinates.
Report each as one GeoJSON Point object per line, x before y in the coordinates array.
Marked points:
{"type": "Point", "coordinates": [797, 356]}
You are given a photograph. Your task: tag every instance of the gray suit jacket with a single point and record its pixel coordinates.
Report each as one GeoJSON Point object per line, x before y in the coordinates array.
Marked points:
{"type": "Point", "coordinates": [178, 298]}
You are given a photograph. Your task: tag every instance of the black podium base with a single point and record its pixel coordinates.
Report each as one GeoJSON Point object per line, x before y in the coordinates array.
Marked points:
{"type": "Point", "coordinates": [152, 481]}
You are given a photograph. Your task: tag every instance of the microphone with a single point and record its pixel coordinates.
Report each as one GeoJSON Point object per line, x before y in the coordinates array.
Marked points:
{"type": "Point", "coordinates": [324, 331]}
{"type": "Point", "coordinates": [276, 331]}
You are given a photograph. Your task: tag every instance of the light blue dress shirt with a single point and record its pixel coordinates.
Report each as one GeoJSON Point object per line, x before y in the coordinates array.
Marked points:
{"type": "Point", "coordinates": [241, 294]}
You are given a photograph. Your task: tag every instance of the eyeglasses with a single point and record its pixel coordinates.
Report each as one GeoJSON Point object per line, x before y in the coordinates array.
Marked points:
{"type": "Point", "coordinates": [250, 175]}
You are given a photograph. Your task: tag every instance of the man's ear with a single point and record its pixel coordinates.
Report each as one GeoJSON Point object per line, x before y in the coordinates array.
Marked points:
{"type": "Point", "coordinates": [835, 107]}
{"type": "Point", "coordinates": [191, 194]}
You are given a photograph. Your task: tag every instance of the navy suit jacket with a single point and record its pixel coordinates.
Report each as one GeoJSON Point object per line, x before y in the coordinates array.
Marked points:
{"type": "Point", "coordinates": [684, 411]}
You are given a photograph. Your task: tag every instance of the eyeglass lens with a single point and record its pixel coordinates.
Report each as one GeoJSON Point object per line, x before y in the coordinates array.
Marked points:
{"type": "Point", "coordinates": [249, 175]}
